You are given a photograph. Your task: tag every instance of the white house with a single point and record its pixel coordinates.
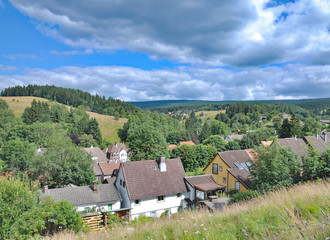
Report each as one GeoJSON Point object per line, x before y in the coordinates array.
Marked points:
{"type": "Point", "coordinates": [150, 188]}
{"type": "Point", "coordinates": [98, 197]}
{"type": "Point", "coordinates": [117, 152]}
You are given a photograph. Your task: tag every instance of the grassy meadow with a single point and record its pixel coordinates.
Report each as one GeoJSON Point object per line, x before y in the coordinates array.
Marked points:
{"type": "Point", "coordinates": [208, 114]}
{"type": "Point", "coordinates": [300, 212]}
{"type": "Point", "coordinates": [108, 125]}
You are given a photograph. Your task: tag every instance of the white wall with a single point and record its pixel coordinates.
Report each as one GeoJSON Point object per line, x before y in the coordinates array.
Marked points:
{"type": "Point", "coordinates": [103, 207]}
{"type": "Point", "coordinates": [123, 155]}
{"type": "Point", "coordinates": [150, 206]}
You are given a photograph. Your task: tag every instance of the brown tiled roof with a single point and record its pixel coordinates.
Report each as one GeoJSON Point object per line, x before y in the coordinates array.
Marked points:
{"type": "Point", "coordinates": [186, 143]}
{"type": "Point", "coordinates": [200, 179]}
{"type": "Point", "coordinates": [144, 179]}
{"type": "Point", "coordinates": [96, 152]}
{"type": "Point", "coordinates": [317, 143]}
{"type": "Point", "coordinates": [210, 186]}
{"type": "Point", "coordinates": [238, 156]}
{"type": "Point", "coordinates": [204, 182]}
{"type": "Point", "coordinates": [116, 148]}
{"type": "Point", "coordinates": [108, 168]}
{"type": "Point", "coordinates": [96, 169]}
{"type": "Point", "coordinates": [297, 145]}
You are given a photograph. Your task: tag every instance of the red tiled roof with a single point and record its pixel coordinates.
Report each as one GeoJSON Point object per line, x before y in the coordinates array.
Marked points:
{"type": "Point", "coordinates": [96, 153]}
{"type": "Point", "coordinates": [186, 143]}
{"type": "Point", "coordinates": [108, 168]}
{"type": "Point", "coordinates": [171, 146]}
{"type": "Point", "coordinates": [144, 179]}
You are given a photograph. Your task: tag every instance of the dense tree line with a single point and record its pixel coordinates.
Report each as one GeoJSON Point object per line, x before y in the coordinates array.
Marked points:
{"type": "Point", "coordinates": [74, 98]}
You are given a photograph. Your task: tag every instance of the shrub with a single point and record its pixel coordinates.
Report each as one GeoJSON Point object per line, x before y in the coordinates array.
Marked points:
{"type": "Point", "coordinates": [238, 197]}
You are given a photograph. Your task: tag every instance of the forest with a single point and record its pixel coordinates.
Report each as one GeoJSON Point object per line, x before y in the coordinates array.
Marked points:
{"type": "Point", "coordinates": [44, 146]}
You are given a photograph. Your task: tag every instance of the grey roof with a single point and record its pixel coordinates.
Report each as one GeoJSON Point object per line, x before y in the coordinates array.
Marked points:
{"type": "Point", "coordinates": [232, 137]}
{"type": "Point", "coordinates": [316, 142]}
{"type": "Point", "coordinates": [106, 193]}
{"type": "Point", "coordinates": [97, 154]}
{"type": "Point", "coordinates": [97, 169]}
{"type": "Point", "coordinates": [326, 138]}
{"type": "Point", "coordinates": [297, 145]}
{"type": "Point", "coordinates": [144, 179]}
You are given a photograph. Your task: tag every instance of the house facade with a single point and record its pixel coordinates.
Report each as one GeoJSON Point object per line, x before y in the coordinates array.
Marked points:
{"type": "Point", "coordinates": [151, 188]}
{"type": "Point", "coordinates": [230, 169]}
{"type": "Point", "coordinates": [117, 152]}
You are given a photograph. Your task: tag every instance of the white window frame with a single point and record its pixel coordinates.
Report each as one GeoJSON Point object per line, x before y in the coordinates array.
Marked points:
{"type": "Point", "coordinates": [237, 185]}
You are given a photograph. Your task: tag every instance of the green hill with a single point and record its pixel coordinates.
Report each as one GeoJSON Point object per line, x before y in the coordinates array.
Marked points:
{"type": "Point", "coordinates": [108, 125]}
{"type": "Point", "coordinates": [300, 212]}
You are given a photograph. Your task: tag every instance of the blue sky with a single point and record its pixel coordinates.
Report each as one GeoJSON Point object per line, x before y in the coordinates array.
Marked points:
{"type": "Point", "coordinates": [153, 50]}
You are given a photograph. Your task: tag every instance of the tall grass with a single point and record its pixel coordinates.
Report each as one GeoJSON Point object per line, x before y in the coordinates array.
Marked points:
{"type": "Point", "coordinates": [300, 212]}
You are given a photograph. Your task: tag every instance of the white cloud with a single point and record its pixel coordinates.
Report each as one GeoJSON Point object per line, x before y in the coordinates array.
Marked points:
{"type": "Point", "coordinates": [73, 52]}
{"type": "Point", "coordinates": [129, 83]}
{"type": "Point", "coordinates": [245, 33]}
{"type": "Point", "coordinates": [20, 56]}
{"type": "Point", "coordinates": [7, 68]}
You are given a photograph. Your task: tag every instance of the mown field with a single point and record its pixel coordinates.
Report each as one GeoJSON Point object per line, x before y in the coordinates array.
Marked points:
{"type": "Point", "coordinates": [300, 212]}
{"type": "Point", "coordinates": [208, 114]}
{"type": "Point", "coordinates": [108, 125]}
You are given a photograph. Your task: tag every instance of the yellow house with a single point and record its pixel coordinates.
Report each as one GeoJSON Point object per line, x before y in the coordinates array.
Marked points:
{"type": "Point", "coordinates": [230, 169]}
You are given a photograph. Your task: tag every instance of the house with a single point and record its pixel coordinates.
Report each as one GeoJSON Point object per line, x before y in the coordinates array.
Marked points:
{"type": "Point", "coordinates": [297, 145]}
{"type": "Point", "coordinates": [96, 153]}
{"type": "Point", "coordinates": [108, 169]}
{"type": "Point", "coordinates": [152, 187]}
{"type": "Point", "coordinates": [316, 142]}
{"type": "Point", "coordinates": [98, 156]}
{"type": "Point", "coordinates": [266, 143]}
{"type": "Point", "coordinates": [263, 117]}
{"type": "Point", "coordinates": [98, 197]}
{"type": "Point", "coordinates": [186, 143]}
{"type": "Point", "coordinates": [117, 152]}
{"type": "Point", "coordinates": [231, 169]}
{"type": "Point", "coordinates": [233, 137]}
{"type": "Point", "coordinates": [202, 187]}
{"type": "Point", "coordinates": [325, 122]}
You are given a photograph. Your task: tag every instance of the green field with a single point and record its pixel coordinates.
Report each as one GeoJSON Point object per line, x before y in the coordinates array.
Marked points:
{"type": "Point", "coordinates": [108, 125]}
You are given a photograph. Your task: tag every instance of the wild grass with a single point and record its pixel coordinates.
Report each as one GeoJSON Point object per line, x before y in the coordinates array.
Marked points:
{"type": "Point", "coordinates": [300, 212]}
{"type": "Point", "coordinates": [108, 125]}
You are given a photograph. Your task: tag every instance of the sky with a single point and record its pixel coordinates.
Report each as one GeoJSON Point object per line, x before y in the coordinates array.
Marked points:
{"type": "Point", "coordinates": [141, 50]}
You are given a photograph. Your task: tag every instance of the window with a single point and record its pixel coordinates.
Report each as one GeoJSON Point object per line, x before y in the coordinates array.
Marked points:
{"type": "Point", "coordinates": [237, 185]}
{"type": "Point", "coordinates": [178, 195]}
{"type": "Point", "coordinates": [220, 168]}
{"type": "Point", "coordinates": [160, 198]}
{"type": "Point", "coordinates": [137, 202]}
{"type": "Point", "coordinates": [238, 165]}
{"type": "Point", "coordinates": [215, 168]}
{"type": "Point", "coordinates": [224, 180]}
{"type": "Point", "coordinates": [109, 207]}
{"type": "Point", "coordinates": [124, 184]}
{"type": "Point", "coordinates": [121, 182]}
{"type": "Point", "coordinates": [153, 214]}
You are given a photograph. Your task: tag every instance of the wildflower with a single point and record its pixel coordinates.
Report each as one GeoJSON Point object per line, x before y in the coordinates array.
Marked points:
{"type": "Point", "coordinates": [202, 225]}
{"type": "Point", "coordinates": [197, 232]}
{"type": "Point", "coordinates": [185, 231]}
{"type": "Point", "coordinates": [204, 229]}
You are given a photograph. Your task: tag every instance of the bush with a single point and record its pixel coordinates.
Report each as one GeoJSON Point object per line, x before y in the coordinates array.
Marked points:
{"type": "Point", "coordinates": [233, 192]}
{"type": "Point", "coordinates": [238, 197]}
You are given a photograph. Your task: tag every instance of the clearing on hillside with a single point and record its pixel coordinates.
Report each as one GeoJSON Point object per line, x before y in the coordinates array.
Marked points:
{"type": "Point", "coordinates": [108, 125]}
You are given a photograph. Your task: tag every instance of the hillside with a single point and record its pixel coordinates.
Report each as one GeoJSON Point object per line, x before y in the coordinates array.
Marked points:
{"type": "Point", "coordinates": [299, 212]}
{"type": "Point", "coordinates": [108, 125]}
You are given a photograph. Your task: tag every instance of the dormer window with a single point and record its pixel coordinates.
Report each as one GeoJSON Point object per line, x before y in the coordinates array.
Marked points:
{"type": "Point", "coordinates": [160, 198]}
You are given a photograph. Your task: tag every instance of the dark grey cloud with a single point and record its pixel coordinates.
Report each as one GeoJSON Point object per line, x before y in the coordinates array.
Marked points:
{"type": "Point", "coordinates": [129, 83]}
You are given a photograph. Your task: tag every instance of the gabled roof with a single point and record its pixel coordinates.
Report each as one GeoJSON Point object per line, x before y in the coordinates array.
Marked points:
{"type": "Point", "coordinates": [297, 145]}
{"type": "Point", "coordinates": [97, 154]}
{"type": "Point", "coordinates": [204, 182]}
{"type": "Point", "coordinates": [97, 169]}
{"type": "Point", "coordinates": [144, 179]}
{"type": "Point", "coordinates": [116, 148]}
{"type": "Point", "coordinates": [106, 193]}
{"type": "Point", "coordinates": [316, 142]}
{"type": "Point", "coordinates": [231, 158]}
{"type": "Point", "coordinates": [108, 168]}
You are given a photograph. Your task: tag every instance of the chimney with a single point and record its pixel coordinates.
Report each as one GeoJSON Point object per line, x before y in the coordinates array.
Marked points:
{"type": "Point", "coordinates": [46, 190]}
{"type": "Point", "coordinates": [317, 136]}
{"type": "Point", "coordinates": [116, 145]}
{"type": "Point", "coordinates": [39, 149]}
{"type": "Point", "coordinates": [92, 147]}
{"type": "Point", "coordinates": [295, 137]}
{"type": "Point", "coordinates": [325, 137]}
{"type": "Point", "coordinates": [94, 187]}
{"type": "Point", "coordinates": [162, 164]}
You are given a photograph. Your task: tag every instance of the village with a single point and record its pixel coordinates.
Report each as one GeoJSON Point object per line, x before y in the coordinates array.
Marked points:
{"type": "Point", "coordinates": [153, 188]}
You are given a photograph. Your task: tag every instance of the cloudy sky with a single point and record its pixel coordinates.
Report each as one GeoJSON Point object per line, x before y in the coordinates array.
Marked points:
{"type": "Point", "coordinates": [139, 50]}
